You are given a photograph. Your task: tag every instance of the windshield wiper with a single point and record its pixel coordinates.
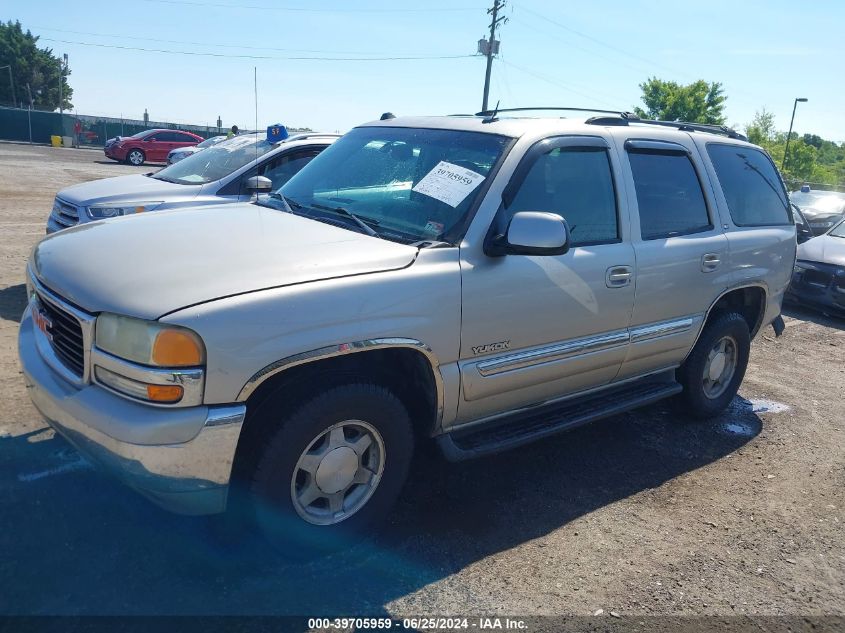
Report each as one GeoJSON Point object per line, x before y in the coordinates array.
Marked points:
{"type": "Point", "coordinates": [346, 212]}
{"type": "Point", "coordinates": [277, 196]}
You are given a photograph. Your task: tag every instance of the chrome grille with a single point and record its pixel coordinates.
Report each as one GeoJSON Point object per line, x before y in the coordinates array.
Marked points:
{"type": "Point", "coordinates": [65, 213]}
{"type": "Point", "coordinates": [65, 334]}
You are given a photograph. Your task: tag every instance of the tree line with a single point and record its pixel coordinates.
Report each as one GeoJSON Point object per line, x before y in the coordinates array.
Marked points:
{"type": "Point", "coordinates": [811, 159]}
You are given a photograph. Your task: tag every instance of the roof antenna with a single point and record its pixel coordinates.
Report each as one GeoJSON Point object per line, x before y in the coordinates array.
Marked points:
{"type": "Point", "coordinates": [492, 117]}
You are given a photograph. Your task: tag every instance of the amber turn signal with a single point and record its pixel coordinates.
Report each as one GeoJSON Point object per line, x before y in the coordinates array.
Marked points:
{"type": "Point", "coordinates": [164, 393]}
{"type": "Point", "coordinates": [177, 348]}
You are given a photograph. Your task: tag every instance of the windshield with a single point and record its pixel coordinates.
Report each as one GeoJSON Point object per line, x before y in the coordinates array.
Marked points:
{"type": "Point", "coordinates": [209, 141]}
{"type": "Point", "coordinates": [217, 161]}
{"type": "Point", "coordinates": [409, 184]}
{"type": "Point", "coordinates": [838, 230]}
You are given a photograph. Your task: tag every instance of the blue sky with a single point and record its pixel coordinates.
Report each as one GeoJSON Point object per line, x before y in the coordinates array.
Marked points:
{"type": "Point", "coordinates": [572, 53]}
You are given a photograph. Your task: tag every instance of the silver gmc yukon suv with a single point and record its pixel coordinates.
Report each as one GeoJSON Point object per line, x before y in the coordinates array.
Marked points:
{"type": "Point", "coordinates": [481, 281]}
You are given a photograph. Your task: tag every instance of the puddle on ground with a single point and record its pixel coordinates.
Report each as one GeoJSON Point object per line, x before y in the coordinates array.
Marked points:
{"type": "Point", "coordinates": [744, 420]}
{"type": "Point", "coordinates": [758, 405]}
{"type": "Point", "coordinates": [740, 428]}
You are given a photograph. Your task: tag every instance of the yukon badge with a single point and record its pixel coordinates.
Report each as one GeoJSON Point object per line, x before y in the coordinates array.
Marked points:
{"type": "Point", "coordinates": [491, 347]}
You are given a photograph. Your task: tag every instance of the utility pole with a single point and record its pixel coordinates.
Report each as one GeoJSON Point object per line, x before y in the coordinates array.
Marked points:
{"type": "Point", "coordinates": [62, 69]}
{"type": "Point", "coordinates": [491, 47]}
{"type": "Point", "coordinates": [11, 84]}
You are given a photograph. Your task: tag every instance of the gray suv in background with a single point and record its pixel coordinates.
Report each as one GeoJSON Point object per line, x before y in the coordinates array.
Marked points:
{"type": "Point", "coordinates": [478, 281]}
{"type": "Point", "coordinates": [215, 175]}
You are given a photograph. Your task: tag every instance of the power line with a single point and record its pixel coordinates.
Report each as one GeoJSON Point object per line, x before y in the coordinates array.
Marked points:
{"type": "Point", "coordinates": [236, 56]}
{"type": "Point", "coordinates": [557, 83]}
{"type": "Point", "coordinates": [595, 40]}
{"type": "Point", "coordinates": [308, 10]}
{"type": "Point", "coordinates": [206, 44]}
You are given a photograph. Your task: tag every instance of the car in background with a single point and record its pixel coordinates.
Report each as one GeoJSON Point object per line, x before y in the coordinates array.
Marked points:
{"type": "Point", "coordinates": [818, 279]}
{"type": "Point", "coordinates": [148, 146]}
{"type": "Point", "coordinates": [822, 209]}
{"type": "Point", "coordinates": [803, 232]}
{"type": "Point", "coordinates": [217, 175]}
{"type": "Point", "coordinates": [175, 155]}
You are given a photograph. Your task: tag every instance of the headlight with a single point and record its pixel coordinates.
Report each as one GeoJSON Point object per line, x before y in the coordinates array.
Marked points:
{"type": "Point", "coordinates": [148, 361]}
{"type": "Point", "coordinates": [148, 342]}
{"type": "Point", "coordinates": [101, 211]}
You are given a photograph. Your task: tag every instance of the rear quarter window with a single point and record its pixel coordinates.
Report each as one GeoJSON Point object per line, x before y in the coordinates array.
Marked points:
{"type": "Point", "coordinates": [751, 184]}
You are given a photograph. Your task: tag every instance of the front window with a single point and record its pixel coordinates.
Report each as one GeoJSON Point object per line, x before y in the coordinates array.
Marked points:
{"type": "Point", "coordinates": [407, 184]}
{"type": "Point", "coordinates": [217, 161]}
{"type": "Point", "coordinates": [838, 230]}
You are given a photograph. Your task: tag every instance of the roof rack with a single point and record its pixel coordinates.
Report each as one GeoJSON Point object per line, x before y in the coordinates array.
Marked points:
{"type": "Point", "coordinates": [686, 126]}
{"type": "Point", "coordinates": [619, 118]}
{"type": "Point", "coordinates": [304, 135]}
{"type": "Point", "coordinates": [500, 110]}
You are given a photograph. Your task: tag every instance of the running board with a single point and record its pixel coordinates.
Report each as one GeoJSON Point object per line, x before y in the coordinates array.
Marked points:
{"type": "Point", "coordinates": [538, 422]}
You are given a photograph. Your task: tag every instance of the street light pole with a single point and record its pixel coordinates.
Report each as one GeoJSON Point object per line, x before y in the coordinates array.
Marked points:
{"type": "Point", "coordinates": [789, 134]}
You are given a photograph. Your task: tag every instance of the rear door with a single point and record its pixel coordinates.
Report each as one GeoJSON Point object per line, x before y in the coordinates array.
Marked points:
{"type": "Point", "coordinates": [681, 250]}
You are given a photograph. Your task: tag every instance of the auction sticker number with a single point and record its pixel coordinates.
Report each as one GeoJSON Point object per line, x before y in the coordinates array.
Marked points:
{"type": "Point", "coordinates": [449, 183]}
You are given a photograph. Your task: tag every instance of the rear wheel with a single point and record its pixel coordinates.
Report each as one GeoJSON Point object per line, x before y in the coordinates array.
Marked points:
{"type": "Point", "coordinates": [713, 371]}
{"type": "Point", "coordinates": [332, 469]}
{"type": "Point", "coordinates": [135, 157]}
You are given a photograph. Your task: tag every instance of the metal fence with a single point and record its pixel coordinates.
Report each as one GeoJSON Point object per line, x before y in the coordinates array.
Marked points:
{"type": "Point", "coordinates": [35, 126]}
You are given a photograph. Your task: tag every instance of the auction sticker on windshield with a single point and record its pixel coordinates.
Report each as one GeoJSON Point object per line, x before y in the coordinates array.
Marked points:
{"type": "Point", "coordinates": [448, 183]}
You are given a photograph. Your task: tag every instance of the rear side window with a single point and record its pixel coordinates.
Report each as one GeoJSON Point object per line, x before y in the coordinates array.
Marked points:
{"type": "Point", "coordinates": [669, 194]}
{"type": "Point", "coordinates": [751, 185]}
{"type": "Point", "coordinates": [576, 183]}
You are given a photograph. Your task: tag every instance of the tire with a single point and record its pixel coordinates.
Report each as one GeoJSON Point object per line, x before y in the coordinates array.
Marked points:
{"type": "Point", "coordinates": [135, 157]}
{"type": "Point", "coordinates": [313, 452]}
{"type": "Point", "coordinates": [705, 396]}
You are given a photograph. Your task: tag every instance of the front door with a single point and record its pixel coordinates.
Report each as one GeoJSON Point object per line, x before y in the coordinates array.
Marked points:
{"type": "Point", "coordinates": [536, 328]}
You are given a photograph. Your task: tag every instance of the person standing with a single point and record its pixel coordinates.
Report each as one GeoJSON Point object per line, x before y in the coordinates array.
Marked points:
{"type": "Point", "coordinates": [232, 132]}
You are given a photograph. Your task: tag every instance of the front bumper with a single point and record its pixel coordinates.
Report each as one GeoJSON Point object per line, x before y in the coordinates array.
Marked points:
{"type": "Point", "coordinates": [110, 152]}
{"type": "Point", "coordinates": [180, 458]}
{"type": "Point", "coordinates": [818, 286]}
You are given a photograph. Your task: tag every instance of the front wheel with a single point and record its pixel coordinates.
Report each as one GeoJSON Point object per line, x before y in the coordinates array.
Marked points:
{"type": "Point", "coordinates": [713, 371]}
{"type": "Point", "coordinates": [135, 157]}
{"type": "Point", "coordinates": [333, 468]}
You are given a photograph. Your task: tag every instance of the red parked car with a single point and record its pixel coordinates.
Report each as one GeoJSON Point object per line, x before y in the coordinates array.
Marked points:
{"type": "Point", "coordinates": [149, 145]}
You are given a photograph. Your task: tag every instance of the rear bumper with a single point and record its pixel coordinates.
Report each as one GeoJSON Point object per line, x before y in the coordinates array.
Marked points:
{"type": "Point", "coordinates": [179, 458]}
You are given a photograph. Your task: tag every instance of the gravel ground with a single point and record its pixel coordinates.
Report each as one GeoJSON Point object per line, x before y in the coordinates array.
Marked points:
{"type": "Point", "coordinates": [648, 513]}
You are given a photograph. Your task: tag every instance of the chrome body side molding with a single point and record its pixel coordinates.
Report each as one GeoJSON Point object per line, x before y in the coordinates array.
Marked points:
{"type": "Point", "coordinates": [663, 328]}
{"type": "Point", "coordinates": [554, 352]}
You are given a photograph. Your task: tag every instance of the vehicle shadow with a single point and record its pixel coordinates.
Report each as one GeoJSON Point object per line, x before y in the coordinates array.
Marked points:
{"type": "Point", "coordinates": [90, 546]}
{"type": "Point", "coordinates": [814, 316]}
{"type": "Point", "coordinates": [12, 302]}
{"type": "Point", "coordinates": [114, 162]}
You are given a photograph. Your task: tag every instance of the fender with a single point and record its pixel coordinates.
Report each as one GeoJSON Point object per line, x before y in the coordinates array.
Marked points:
{"type": "Point", "coordinates": [341, 349]}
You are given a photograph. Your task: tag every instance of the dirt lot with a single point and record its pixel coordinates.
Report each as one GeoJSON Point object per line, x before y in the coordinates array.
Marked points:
{"type": "Point", "coordinates": [643, 514]}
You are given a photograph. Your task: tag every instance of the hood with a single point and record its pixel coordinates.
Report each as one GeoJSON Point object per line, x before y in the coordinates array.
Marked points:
{"type": "Point", "coordinates": [136, 187]}
{"type": "Point", "coordinates": [825, 249]}
{"type": "Point", "coordinates": [151, 264]}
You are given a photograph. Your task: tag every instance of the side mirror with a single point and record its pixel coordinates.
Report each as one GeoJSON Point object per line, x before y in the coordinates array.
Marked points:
{"type": "Point", "coordinates": [258, 184]}
{"type": "Point", "coordinates": [532, 233]}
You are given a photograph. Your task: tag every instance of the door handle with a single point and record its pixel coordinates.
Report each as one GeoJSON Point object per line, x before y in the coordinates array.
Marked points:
{"type": "Point", "coordinates": [710, 262]}
{"type": "Point", "coordinates": [618, 276]}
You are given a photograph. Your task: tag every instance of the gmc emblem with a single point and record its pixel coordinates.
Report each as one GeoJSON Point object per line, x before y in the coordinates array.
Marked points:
{"type": "Point", "coordinates": [43, 323]}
